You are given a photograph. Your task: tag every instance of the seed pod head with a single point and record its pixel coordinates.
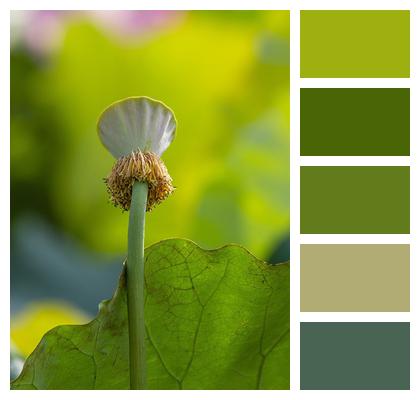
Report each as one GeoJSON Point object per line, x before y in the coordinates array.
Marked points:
{"type": "Point", "coordinates": [136, 123]}
{"type": "Point", "coordinates": [136, 131]}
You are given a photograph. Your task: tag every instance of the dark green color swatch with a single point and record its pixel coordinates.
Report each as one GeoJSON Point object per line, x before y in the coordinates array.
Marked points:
{"type": "Point", "coordinates": [355, 122]}
{"type": "Point", "coordinates": [355, 44]}
{"type": "Point", "coordinates": [355, 200]}
{"type": "Point", "coordinates": [355, 355]}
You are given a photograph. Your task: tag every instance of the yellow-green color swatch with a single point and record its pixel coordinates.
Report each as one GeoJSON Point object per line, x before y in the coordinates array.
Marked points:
{"type": "Point", "coordinates": [355, 44]}
{"type": "Point", "coordinates": [355, 277]}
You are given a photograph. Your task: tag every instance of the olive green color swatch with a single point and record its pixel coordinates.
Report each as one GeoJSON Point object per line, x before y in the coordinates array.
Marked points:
{"type": "Point", "coordinates": [354, 44]}
{"type": "Point", "coordinates": [355, 277]}
{"type": "Point", "coordinates": [355, 122]}
{"type": "Point", "coordinates": [355, 355]}
{"type": "Point", "coordinates": [355, 200]}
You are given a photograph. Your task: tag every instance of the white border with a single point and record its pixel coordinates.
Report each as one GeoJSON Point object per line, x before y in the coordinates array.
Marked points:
{"type": "Point", "coordinates": [5, 198]}
{"type": "Point", "coordinates": [355, 239]}
{"type": "Point", "coordinates": [354, 83]}
{"type": "Point", "coordinates": [354, 161]}
{"type": "Point", "coordinates": [414, 198]}
{"type": "Point", "coordinates": [355, 317]}
{"type": "Point", "coordinates": [296, 83]}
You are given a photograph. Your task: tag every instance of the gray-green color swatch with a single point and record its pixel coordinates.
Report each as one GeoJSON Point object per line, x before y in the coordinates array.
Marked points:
{"type": "Point", "coordinates": [355, 355]}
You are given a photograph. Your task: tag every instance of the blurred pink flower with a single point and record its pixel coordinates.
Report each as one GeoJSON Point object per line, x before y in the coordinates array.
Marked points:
{"type": "Point", "coordinates": [133, 23]}
{"type": "Point", "coordinates": [39, 31]}
{"type": "Point", "coordinates": [42, 31]}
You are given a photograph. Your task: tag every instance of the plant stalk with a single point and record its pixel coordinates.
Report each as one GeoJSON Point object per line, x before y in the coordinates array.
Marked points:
{"type": "Point", "coordinates": [135, 286]}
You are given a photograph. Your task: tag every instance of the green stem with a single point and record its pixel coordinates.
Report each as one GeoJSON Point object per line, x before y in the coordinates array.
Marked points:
{"type": "Point", "coordinates": [135, 286]}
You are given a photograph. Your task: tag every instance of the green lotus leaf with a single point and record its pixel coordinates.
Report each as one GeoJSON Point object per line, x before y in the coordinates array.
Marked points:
{"type": "Point", "coordinates": [136, 123]}
{"type": "Point", "coordinates": [215, 319]}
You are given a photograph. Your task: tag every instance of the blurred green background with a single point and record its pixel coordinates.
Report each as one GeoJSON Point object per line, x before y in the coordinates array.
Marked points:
{"type": "Point", "coordinates": [226, 76]}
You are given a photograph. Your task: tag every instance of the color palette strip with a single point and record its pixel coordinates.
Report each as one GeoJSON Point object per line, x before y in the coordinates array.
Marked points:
{"type": "Point", "coordinates": [355, 200]}
{"type": "Point", "coordinates": [355, 44]}
{"type": "Point", "coordinates": [355, 122]}
{"type": "Point", "coordinates": [355, 277]}
{"type": "Point", "coordinates": [355, 355]}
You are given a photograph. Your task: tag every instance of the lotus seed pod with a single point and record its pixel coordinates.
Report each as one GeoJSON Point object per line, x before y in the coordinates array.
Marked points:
{"type": "Point", "coordinates": [136, 131]}
{"type": "Point", "coordinates": [137, 123]}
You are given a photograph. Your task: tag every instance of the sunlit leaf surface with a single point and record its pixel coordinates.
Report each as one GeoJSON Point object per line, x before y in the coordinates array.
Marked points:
{"type": "Point", "coordinates": [215, 319]}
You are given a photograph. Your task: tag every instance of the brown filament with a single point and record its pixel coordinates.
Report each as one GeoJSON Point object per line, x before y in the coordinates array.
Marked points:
{"type": "Point", "coordinates": [143, 167]}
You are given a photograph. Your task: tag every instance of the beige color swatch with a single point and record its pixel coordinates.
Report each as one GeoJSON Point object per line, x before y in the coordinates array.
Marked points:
{"type": "Point", "coordinates": [355, 277]}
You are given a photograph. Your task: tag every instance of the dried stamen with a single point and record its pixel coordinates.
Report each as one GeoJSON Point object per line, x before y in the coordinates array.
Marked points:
{"type": "Point", "coordinates": [143, 167]}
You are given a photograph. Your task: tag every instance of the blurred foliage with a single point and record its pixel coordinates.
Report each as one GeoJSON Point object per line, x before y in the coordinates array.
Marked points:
{"type": "Point", "coordinates": [54, 281]}
{"type": "Point", "coordinates": [47, 264]}
{"type": "Point", "coordinates": [39, 318]}
{"type": "Point", "coordinates": [225, 75]}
